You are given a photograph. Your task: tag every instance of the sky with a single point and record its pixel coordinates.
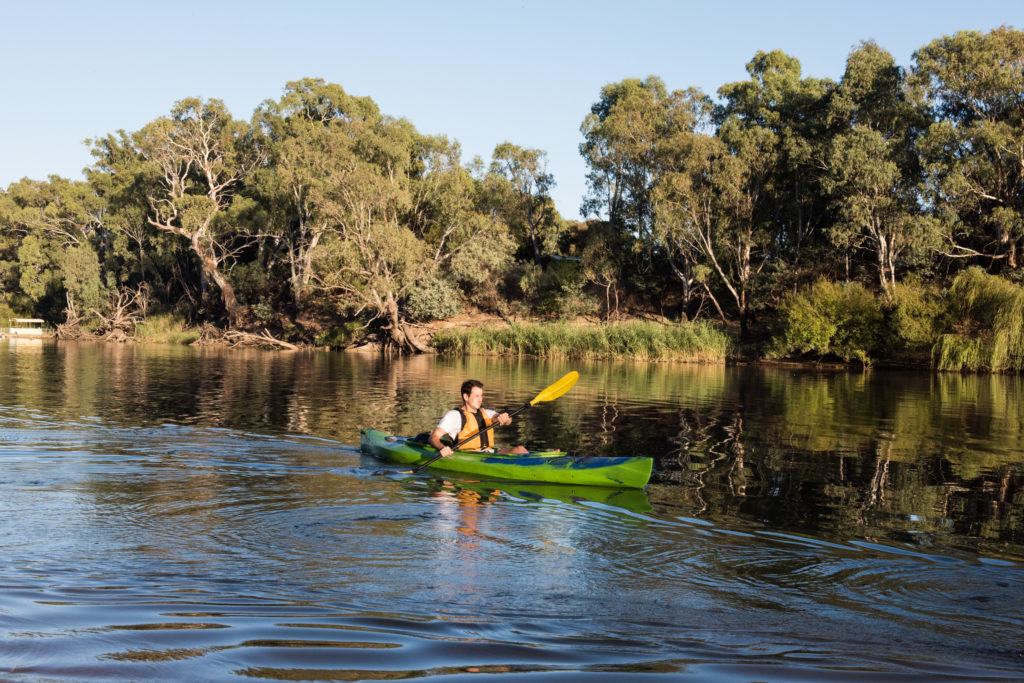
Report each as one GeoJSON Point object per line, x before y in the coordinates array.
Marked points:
{"type": "Point", "coordinates": [478, 72]}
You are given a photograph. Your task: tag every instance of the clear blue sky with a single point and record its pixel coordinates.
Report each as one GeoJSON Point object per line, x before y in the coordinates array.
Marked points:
{"type": "Point", "coordinates": [479, 72]}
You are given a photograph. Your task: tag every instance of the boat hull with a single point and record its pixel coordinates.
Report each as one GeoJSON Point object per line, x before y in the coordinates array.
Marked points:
{"type": "Point", "coordinates": [552, 467]}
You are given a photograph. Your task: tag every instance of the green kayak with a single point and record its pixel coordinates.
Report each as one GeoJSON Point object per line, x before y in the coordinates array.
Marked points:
{"type": "Point", "coordinates": [552, 467]}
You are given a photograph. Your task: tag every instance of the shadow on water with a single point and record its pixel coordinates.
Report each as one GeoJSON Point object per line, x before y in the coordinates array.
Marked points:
{"type": "Point", "coordinates": [183, 514]}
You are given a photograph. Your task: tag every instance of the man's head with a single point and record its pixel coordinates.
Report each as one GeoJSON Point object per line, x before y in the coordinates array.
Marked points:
{"type": "Point", "coordinates": [473, 393]}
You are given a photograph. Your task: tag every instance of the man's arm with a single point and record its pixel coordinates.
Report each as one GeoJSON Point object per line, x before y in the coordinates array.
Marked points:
{"type": "Point", "coordinates": [503, 419]}
{"type": "Point", "coordinates": [435, 441]}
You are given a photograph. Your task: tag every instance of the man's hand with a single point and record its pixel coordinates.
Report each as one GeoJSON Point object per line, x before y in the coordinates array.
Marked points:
{"type": "Point", "coordinates": [435, 441]}
{"type": "Point", "coordinates": [503, 419]}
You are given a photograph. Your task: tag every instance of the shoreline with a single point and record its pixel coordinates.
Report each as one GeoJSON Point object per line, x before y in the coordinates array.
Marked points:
{"type": "Point", "coordinates": [265, 342]}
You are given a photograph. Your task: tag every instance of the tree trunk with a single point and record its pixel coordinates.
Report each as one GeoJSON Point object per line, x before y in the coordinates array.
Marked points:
{"type": "Point", "coordinates": [399, 332]}
{"type": "Point", "coordinates": [212, 271]}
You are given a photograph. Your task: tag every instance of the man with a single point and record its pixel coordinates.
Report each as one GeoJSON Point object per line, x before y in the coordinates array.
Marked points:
{"type": "Point", "coordinates": [468, 419]}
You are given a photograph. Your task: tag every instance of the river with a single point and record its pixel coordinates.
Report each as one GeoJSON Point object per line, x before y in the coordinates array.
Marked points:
{"type": "Point", "coordinates": [172, 513]}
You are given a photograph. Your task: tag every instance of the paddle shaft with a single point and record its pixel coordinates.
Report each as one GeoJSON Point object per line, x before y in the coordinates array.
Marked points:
{"type": "Point", "coordinates": [472, 436]}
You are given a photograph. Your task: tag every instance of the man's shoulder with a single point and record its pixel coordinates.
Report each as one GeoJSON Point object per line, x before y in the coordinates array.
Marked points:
{"type": "Point", "coordinates": [452, 417]}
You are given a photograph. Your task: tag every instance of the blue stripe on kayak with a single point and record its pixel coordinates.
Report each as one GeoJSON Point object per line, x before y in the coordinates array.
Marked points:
{"type": "Point", "coordinates": [567, 461]}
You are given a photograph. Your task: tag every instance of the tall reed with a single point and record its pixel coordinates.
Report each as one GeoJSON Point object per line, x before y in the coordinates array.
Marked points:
{"type": "Point", "coordinates": [987, 327]}
{"type": "Point", "coordinates": [166, 328]}
{"type": "Point", "coordinates": [696, 342]}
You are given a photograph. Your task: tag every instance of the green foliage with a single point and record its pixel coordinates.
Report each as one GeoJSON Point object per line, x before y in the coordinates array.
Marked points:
{"type": "Point", "coordinates": [433, 299]}
{"type": "Point", "coordinates": [165, 328]}
{"type": "Point", "coordinates": [324, 205]}
{"type": "Point", "coordinates": [954, 352]}
{"type": "Point", "coordinates": [987, 330]}
{"type": "Point", "coordinates": [574, 301]}
{"type": "Point", "coordinates": [685, 342]}
{"type": "Point", "coordinates": [521, 186]}
{"type": "Point", "coordinates": [6, 313]}
{"type": "Point", "coordinates": [82, 275]}
{"type": "Point", "coordinates": [482, 265]}
{"type": "Point", "coordinates": [915, 316]}
{"type": "Point", "coordinates": [830, 319]}
{"type": "Point", "coordinates": [972, 151]}
{"type": "Point", "coordinates": [339, 336]}
{"type": "Point", "coordinates": [253, 282]}
{"type": "Point", "coordinates": [39, 273]}
{"type": "Point", "coordinates": [557, 289]}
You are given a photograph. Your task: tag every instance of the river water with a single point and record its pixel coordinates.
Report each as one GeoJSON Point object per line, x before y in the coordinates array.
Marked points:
{"type": "Point", "coordinates": [192, 514]}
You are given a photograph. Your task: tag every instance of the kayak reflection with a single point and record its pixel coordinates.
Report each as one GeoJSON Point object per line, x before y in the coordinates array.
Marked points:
{"type": "Point", "coordinates": [475, 492]}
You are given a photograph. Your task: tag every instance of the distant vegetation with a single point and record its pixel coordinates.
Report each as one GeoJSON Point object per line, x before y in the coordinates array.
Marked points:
{"type": "Point", "coordinates": [875, 217]}
{"type": "Point", "coordinates": [689, 342]}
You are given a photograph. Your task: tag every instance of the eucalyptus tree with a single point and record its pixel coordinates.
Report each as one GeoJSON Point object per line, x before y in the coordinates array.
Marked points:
{"type": "Point", "coordinates": [689, 215]}
{"type": "Point", "coordinates": [717, 202]}
{"type": "Point", "coordinates": [462, 220]}
{"type": "Point", "coordinates": [8, 248]}
{"type": "Point", "coordinates": [873, 176]}
{"type": "Point", "coordinates": [775, 123]}
{"type": "Point", "coordinates": [191, 167]}
{"type": "Point", "coordinates": [621, 135]}
{"type": "Point", "coordinates": [627, 135]}
{"type": "Point", "coordinates": [68, 212]}
{"type": "Point", "coordinates": [302, 134]}
{"type": "Point", "coordinates": [527, 207]}
{"type": "Point", "coordinates": [974, 150]}
{"type": "Point", "coordinates": [601, 259]}
{"type": "Point", "coordinates": [56, 228]}
{"type": "Point", "coordinates": [395, 204]}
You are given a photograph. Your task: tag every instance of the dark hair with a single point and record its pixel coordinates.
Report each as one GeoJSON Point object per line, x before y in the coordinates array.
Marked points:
{"type": "Point", "coordinates": [467, 386]}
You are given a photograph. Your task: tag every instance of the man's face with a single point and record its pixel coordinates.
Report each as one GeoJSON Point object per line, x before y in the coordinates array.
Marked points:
{"type": "Point", "coordinates": [474, 399]}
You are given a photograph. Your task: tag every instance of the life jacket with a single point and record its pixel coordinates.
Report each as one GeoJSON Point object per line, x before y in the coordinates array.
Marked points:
{"type": "Point", "coordinates": [471, 424]}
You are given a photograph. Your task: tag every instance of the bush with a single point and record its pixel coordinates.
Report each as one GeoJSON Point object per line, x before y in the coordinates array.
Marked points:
{"type": "Point", "coordinates": [557, 289]}
{"type": "Point", "coordinates": [165, 328]}
{"type": "Point", "coordinates": [915, 316]}
{"type": "Point", "coordinates": [987, 325]}
{"type": "Point", "coordinates": [7, 312]}
{"type": "Point", "coordinates": [830, 319]}
{"type": "Point", "coordinates": [433, 299]}
{"type": "Point", "coordinates": [481, 267]}
{"type": "Point", "coordinates": [339, 337]}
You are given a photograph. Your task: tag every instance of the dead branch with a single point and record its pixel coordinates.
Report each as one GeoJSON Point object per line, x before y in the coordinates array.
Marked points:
{"type": "Point", "coordinates": [70, 329]}
{"type": "Point", "coordinates": [127, 310]}
{"type": "Point", "coordinates": [210, 336]}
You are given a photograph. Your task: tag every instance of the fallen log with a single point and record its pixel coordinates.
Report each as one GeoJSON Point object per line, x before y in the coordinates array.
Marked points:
{"type": "Point", "coordinates": [264, 340]}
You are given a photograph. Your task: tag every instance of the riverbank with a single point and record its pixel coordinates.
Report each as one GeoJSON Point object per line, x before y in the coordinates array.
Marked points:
{"type": "Point", "coordinates": [478, 334]}
{"type": "Point", "coordinates": [694, 342]}
{"type": "Point", "coordinates": [636, 339]}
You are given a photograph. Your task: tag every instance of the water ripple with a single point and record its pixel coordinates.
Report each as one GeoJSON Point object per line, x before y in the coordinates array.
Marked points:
{"type": "Point", "coordinates": [168, 552]}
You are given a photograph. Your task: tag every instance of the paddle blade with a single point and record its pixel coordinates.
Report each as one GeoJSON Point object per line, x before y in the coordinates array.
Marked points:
{"type": "Point", "coordinates": [557, 389]}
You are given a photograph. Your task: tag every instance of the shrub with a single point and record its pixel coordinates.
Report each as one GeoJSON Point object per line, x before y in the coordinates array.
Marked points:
{"type": "Point", "coordinates": [987, 324]}
{"type": "Point", "coordinates": [338, 337]}
{"type": "Point", "coordinates": [829, 319]}
{"type": "Point", "coordinates": [165, 328]}
{"type": "Point", "coordinates": [916, 316]}
{"type": "Point", "coordinates": [482, 265]}
{"type": "Point", "coordinates": [433, 299]}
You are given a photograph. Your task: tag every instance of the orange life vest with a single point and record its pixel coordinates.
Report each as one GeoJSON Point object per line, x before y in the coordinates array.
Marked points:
{"type": "Point", "coordinates": [471, 424]}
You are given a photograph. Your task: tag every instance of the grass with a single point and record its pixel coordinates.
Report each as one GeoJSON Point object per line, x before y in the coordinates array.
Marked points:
{"type": "Point", "coordinates": [166, 328]}
{"type": "Point", "coordinates": [988, 325]}
{"type": "Point", "coordinates": [683, 342]}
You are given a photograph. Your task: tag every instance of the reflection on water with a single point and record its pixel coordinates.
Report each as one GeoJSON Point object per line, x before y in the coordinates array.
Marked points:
{"type": "Point", "coordinates": [182, 514]}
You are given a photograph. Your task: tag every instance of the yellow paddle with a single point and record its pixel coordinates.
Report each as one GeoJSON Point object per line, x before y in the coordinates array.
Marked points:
{"type": "Point", "coordinates": [549, 394]}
